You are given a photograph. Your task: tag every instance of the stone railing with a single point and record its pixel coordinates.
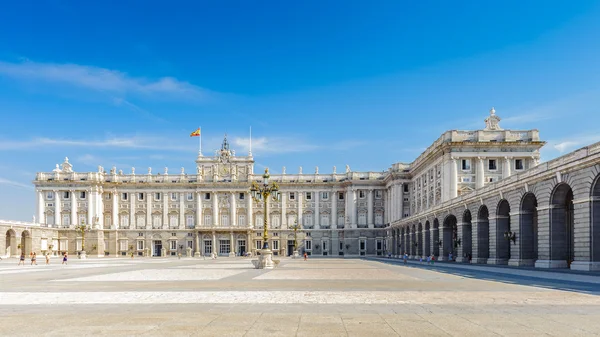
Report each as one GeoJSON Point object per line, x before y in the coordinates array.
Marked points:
{"type": "Point", "coordinates": [21, 223]}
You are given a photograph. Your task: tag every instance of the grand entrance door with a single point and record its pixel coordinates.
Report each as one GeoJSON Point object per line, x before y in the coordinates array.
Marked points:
{"type": "Point", "coordinates": [290, 249]}
{"type": "Point", "coordinates": [241, 247]}
{"type": "Point", "coordinates": [224, 247]}
{"type": "Point", "coordinates": [157, 247]}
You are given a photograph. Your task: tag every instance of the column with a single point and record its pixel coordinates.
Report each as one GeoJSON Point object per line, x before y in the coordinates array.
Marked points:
{"type": "Point", "coordinates": [197, 253]}
{"type": "Point", "coordinates": [480, 173]}
{"type": "Point", "coordinates": [131, 210]}
{"type": "Point", "coordinates": [149, 210]}
{"type": "Point", "coordinates": [91, 209]}
{"type": "Point", "coordinates": [453, 179]}
{"type": "Point", "coordinates": [181, 210]}
{"type": "Point", "coordinates": [232, 246]}
{"type": "Point", "coordinates": [57, 208]}
{"type": "Point", "coordinates": [99, 207]}
{"type": "Point", "coordinates": [74, 208]}
{"type": "Point", "coordinates": [400, 201]}
{"type": "Point", "coordinates": [233, 220]}
{"type": "Point", "coordinates": [115, 210]}
{"type": "Point", "coordinates": [370, 221]}
{"type": "Point", "coordinates": [334, 201]}
{"type": "Point", "coordinates": [198, 210]}
{"type": "Point", "coordinates": [506, 172]}
{"type": "Point", "coordinates": [317, 213]}
{"type": "Point", "coordinates": [300, 217]}
{"type": "Point", "coordinates": [249, 216]}
{"type": "Point", "coordinates": [284, 224]}
{"type": "Point", "coordinates": [214, 245]}
{"type": "Point", "coordinates": [165, 199]}
{"type": "Point", "coordinates": [215, 211]}
{"type": "Point", "coordinates": [41, 207]}
{"type": "Point", "coordinates": [353, 209]}
{"type": "Point", "coordinates": [392, 206]}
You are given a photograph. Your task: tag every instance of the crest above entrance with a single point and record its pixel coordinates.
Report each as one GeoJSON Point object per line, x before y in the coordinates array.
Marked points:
{"type": "Point", "coordinates": [224, 166]}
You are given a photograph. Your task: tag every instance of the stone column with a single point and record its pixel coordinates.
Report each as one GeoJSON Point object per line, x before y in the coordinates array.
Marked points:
{"type": "Point", "coordinates": [400, 201]}
{"type": "Point", "coordinates": [453, 179]}
{"type": "Point", "coordinates": [506, 169]}
{"type": "Point", "coordinates": [198, 252]}
{"type": "Point", "coordinates": [181, 210]}
{"type": "Point", "coordinates": [215, 210]}
{"type": "Point", "coordinates": [334, 201]}
{"type": "Point", "coordinates": [91, 210]}
{"type": "Point", "coordinates": [214, 245]}
{"type": "Point", "coordinates": [317, 213]}
{"type": "Point", "coordinates": [149, 197]}
{"type": "Point", "coordinates": [284, 223]}
{"type": "Point", "coordinates": [198, 209]}
{"type": "Point", "coordinates": [459, 250]}
{"type": "Point", "coordinates": [392, 203]}
{"type": "Point", "coordinates": [370, 222]}
{"type": "Point", "coordinates": [132, 223]}
{"type": "Point", "coordinates": [300, 215]}
{"type": "Point", "coordinates": [115, 211]}
{"type": "Point", "coordinates": [74, 208]}
{"type": "Point", "coordinates": [249, 216]}
{"type": "Point", "coordinates": [233, 221]}
{"type": "Point", "coordinates": [480, 173]}
{"type": "Point", "coordinates": [480, 240]}
{"type": "Point", "coordinates": [100, 208]}
{"type": "Point", "coordinates": [586, 234]}
{"type": "Point", "coordinates": [232, 246]}
{"type": "Point", "coordinates": [41, 207]}
{"type": "Point", "coordinates": [353, 210]}
{"type": "Point", "coordinates": [165, 198]}
{"type": "Point", "coordinates": [57, 208]}
{"type": "Point", "coordinates": [515, 248]}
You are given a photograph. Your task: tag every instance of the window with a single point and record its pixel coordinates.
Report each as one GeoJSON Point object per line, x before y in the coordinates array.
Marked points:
{"type": "Point", "coordinates": [340, 195]}
{"type": "Point", "coordinates": [308, 195]}
{"type": "Point", "coordinates": [173, 245]}
{"type": "Point", "coordinates": [156, 221]}
{"type": "Point", "coordinates": [363, 244]}
{"type": "Point", "coordinates": [379, 219]}
{"type": "Point", "coordinates": [157, 196]}
{"type": "Point", "coordinates": [518, 164]}
{"type": "Point", "coordinates": [190, 196]}
{"type": "Point", "coordinates": [362, 219]}
{"type": "Point", "coordinates": [108, 196]}
{"type": "Point", "coordinates": [207, 196]}
{"type": "Point", "coordinates": [190, 244]}
{"type": "Point", "coordinates": [324, 220]}
{"type": "Point", "coordinates": [82, 218]}
{"type": "Point", "coordinates": [308, 220]}
{"type": "Point", "coordinates": [492, 164]}
{"type": "Point", "coordinates": [341, 245]}
{"type": "Point", "coordinates": [241, 220]}
{"type": "Point", "coordinates": [66, 219]}
{"type": "Point", "coordinates": [50, 195]}
{"type": "Point", "coordinates": [242, 196]}
{"type": "Point", "coordinates": [140, 196]}
{"type": "Point", "coordinates": [173, 221]}
{"type": "Point", "coordinates": [406, 188]}
{"type": "Point", "coordinates": [325, 195]}
{"type": "Point", "coordinates": [189, 221]}
{"type": "Point", "coordinates": [275, 244]}
{"type": "Point", "coordinates": [325, 246]}
{"type": "Point", "coordinates": [140, 234]}
{"type": "Point", "coordinates": [66, 195]}
{"type": "Point", "coordinates": [466, 179]}
{"type": "Point", "coordinates": [465, 164]}
{"type": "Point", "coordinates": [308, 244]}
{"type": "Point", "coordinates": [224, 246]}
{"type": "Point", "coordinates": [207, 246]}
{"type": "Point", "coordinates": [340, 221]}
{"type": "Point", "coordinates": [275, 220]}
{"type": "Point", "coordinates": [361, 194]}
{"type": "Point", "coordinates": [141, 221]}
{"type": "Point", "coordinates": [224, 220]}
{"type": "Point", "coordinates": [123, 196]}
{"type": "Point", "coordinates": [292, 196]}
{"type": "Point", "coordinates": [173, 196]}
{"type": "Point", "coordinates": [378, 194]}
{"type": "Point", "coordinates": [124, 221]}
{"type": "Point", "coordinates": [140, 245]}
{"type": "Point", "coordinates": [379, 244]}
{"type": "Point", "coordinates": [82, 195]}
{"type": "Point", "coordinates": [259, 244]}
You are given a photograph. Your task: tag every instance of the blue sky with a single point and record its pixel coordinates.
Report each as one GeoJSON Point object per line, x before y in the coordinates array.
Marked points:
{"type": "Point", "coordinates": [322, 83]}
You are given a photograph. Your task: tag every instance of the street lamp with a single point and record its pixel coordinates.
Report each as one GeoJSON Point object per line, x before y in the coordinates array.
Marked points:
{"type": "Point", "coordinates": [82, 228]}
{"type": "Point", "coordinates": [261, 193]}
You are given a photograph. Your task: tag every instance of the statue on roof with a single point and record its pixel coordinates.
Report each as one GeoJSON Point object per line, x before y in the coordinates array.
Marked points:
{"type": "Point", "coordinates": [347, 168]}
{"type": "Point", "coordinates": [316, 170]}
{"type": "Point", "coordinates": [283, 170]}
{"type": "Point", "coordinates": [491, 123]}
{"type": "Point", "coordinates": [66, 166]}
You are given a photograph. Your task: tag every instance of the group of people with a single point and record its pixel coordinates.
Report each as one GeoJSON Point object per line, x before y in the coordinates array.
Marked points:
{"type": "Point", "coordinates": [33, 257]}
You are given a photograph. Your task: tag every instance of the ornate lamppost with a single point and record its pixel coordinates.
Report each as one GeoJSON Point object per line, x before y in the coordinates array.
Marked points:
{"type": "Point", "coordinates": [295, 228]}
{"type": "Point", "coordinates": [82, 228]}
{"type": "Point", "coordinates": [262, 192]}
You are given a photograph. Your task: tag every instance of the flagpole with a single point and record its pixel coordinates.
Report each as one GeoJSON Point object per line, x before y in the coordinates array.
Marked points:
{"type": "Point", "coordinates": [250, 146]}
{"type": "Point", "coordinates": [200, 142]}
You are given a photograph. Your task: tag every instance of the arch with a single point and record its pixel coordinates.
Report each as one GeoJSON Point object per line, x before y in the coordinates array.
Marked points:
{"type": "Point", "coordinates": [595, 220]}
{"type": "Point", "coordinates": [503, 244]}
{"type": "Point", "coordinates": [436, 237]}
{"type": "Point", "coordinates": [481, 248]}
{"type": "Point", "coordinates": [562, 236]}
{"type": "Point", "coordinates": [420, 239]}
{"type": "Point", "coordinates": [26, 242]}
{"type": "Point", "coordinates": [11, 243]}
{"type": "Point", "coordinates": [466, 241]}
{"type": "Point", "coordinates": [427, 247]}
{"type": "Point", "coordinates": [528, 230]}
{"type": "Point", "coordinates": [449, 237]}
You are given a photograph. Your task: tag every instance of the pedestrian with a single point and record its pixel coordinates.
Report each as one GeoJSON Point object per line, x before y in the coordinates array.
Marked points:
{"type": "Point", "coordinates": [432, 259]}
{"type": "Point", "coordinates": [65, 258]}
{"type": "Point", "coordinates": [450, 257]}
{"type": "Point", "coordinates": [420, 259]}
{"type": "Point", "coordinates": [33, 259]}
{"type": "Point", "coordinates": [405, 257]}
{"type": "Point", "coordinates": [48, 258]}
{"type": "Point", "coordinates": [429, 259]}
{"type": "Point", "coordinates": [22, 259]}
{"type": "Point", "coordinates": [305, 256]}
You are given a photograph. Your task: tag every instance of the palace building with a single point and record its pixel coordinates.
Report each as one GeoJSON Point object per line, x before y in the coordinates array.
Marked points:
{"type": "Point", "coordinates": [210, 211]}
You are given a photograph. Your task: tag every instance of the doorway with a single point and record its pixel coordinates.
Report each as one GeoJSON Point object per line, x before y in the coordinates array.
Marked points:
{"type": "Point", "coordinates": [290, 250]}
{"type": "Point", "coordinates": [242, 247]}
{"type": "Point", "coordinates": [157, 247]}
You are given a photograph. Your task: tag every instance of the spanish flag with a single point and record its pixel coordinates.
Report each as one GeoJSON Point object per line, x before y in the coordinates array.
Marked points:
{"type": "Point", "coordinates": [195, 133]}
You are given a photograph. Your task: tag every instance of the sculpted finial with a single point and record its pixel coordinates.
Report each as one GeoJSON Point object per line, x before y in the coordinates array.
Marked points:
{"type": "Point", "coordinates": [283, 170]}
{"type": "Point", "coordinates": [334, 170]}
{"type": "Point", "coordinates": [166, 170]}
{"type": "Point", "coordinates": [492, 112]}
{"type": "Point", "coordinates": [316, 170]}
{"type": "Point", "coordinates": [182, 170]}
{"type": "Point", "coordinates": [300, 170]}
{"type": "Point", "coordinates": [149, 170]}
{"type": "Point", "coordinates": [491, 123]}
{"type": "Point", "coordinates": [133, 170]}
{"type": "Point", "coordinates": [347, 168]}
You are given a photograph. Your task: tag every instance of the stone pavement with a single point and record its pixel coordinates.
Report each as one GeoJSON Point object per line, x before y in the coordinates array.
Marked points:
{"type": "Point", "coordinates": [318, 297]}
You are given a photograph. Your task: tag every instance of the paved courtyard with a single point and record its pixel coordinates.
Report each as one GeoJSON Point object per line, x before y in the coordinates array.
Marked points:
{"type": "Point", "coordinates": [318, 297]}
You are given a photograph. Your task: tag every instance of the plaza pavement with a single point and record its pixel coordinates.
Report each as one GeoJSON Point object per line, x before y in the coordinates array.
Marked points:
{"type": "Point", "coordinates": [318, 297]}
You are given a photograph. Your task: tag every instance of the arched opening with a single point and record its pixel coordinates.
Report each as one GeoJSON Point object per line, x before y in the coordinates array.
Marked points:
{"type": "Point", "coordinates": [26, 242]}
{"type": "Point", "coordinates": [427, 246]}
{"type": "Point", "coordinates": [595, 219]}
{"type": "Point", "coordinates": [413, 241]}
{"type": "Point", "coordinates": [436, 238]}
{"type": "Point", "coordinates": [503, 241]}
{"type": "Point", "coordinates": [483, 235]}
{"type": "Point", "coordinates": [11, 243]}
{"type": "Point", "coordinates": [467, 236]}
{"type": "Point", "coordinates": [562, 238]}
{"type": "Point", "coordinates": [528, 233]}
{"type": "Point", "coordinates": [450, 233]}
{"type": "Point", "coordinates": [420, 240]}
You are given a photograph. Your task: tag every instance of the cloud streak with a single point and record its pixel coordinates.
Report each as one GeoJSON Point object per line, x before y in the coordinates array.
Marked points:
{"type": "Point", "coordinates": [15, 184]}
{"type": "Point", "coordinates": [100, 79]}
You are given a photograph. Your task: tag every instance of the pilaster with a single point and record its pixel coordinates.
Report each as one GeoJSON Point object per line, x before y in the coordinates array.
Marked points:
{"type": "Point", "coordinates": [57, 208]}
{"type": "Point", "coordinates": [370, 208]}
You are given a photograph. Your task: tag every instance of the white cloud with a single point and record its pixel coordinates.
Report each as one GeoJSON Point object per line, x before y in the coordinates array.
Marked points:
{"type": "Point", "coordinates": [135, 142]}
{"type": "Point", "coordinates": [276, 145]}
{"type": "Point", "coordinates": [15, 183]}
{"type": "Point", "coordinates": [99, 79]}
{"type": "Point", "coordinates": [570, 144]}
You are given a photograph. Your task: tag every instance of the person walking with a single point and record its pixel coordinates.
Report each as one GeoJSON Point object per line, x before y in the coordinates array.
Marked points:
{"type": "Point", "coordinates": [33, 259]}
{"type": "Point", "coordinates": [48, 258]}
{"type": "Point", "coordinates": [305, 256]}
{"type": "Point", "coordinates": [22, 259]}
{"type": "Point", "coordinates": [405, 257]}
{"type": "Point", "coordinates": [65, 258]}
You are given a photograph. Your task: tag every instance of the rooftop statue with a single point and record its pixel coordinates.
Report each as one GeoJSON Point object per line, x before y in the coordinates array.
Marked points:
{"type": "Point", "coordinates": [491, 123]}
